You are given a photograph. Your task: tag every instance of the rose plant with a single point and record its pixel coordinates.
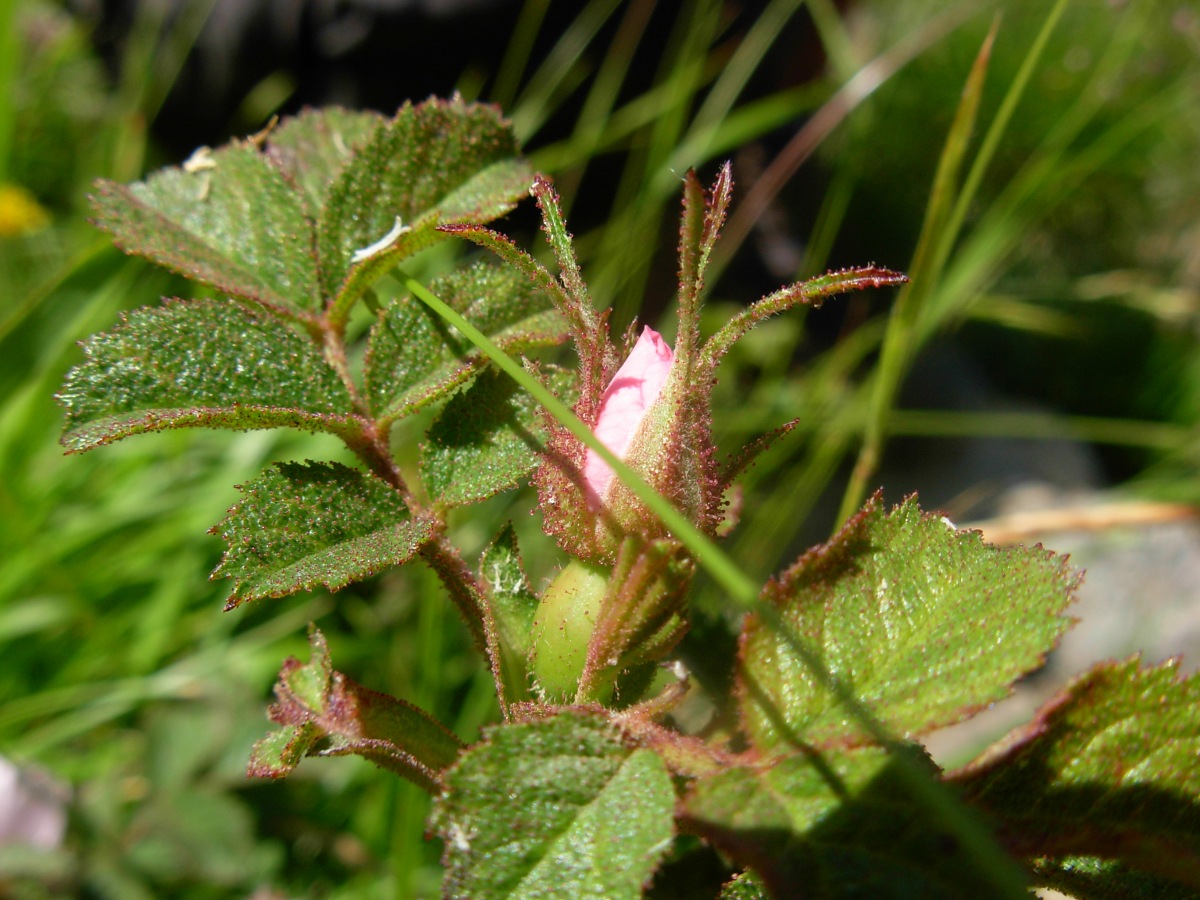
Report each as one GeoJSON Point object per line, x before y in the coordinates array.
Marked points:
{"type": "Point", "coordinates": [810, 781]}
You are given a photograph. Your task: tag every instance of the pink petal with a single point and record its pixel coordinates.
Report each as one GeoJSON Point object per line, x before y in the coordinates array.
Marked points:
{"type": "Point", "coordinates": [631, 393]}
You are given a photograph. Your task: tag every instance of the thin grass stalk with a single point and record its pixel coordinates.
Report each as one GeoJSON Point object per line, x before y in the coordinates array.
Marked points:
{"type": "Point", "coordinates": [1046, 179]}
{"type": "Point", "coordinates": [835, 42]}
{"type": "Point", "coordinates": [1040, 187]}
{"type": "Point", "coordinates": [516, 54]}
{"type": "Point", "coordinates": [834, 206]}
{"type": "Point", "coordinates": [948, 236]}
{"type": "Point", "coordinates": [150, 66]}
{"type": "Point", "coordinates": [832, 411]}
{"type": "Point", "coordinates": [628, 241]}
{"type": "Point", "coordinates": [754, 118]}
{"type": "Point", "coordinates": [544, 94]}
{"type": "Point", "coordinates": [832, 113]}
{"type": "Point", "coordinates": [85, 705]}
{"type": "Point", "coordinates": [597, 109]}
{"type": "Point", "coordinates": [899, 343]}
{"type": "Point", "coordinates": [1040, 426]}
{"type": "Point", "coordinates": [695, 147]}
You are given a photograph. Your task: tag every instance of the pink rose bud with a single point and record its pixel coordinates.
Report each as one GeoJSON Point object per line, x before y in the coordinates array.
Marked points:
{"type": "Point", "coordinates": [628, 396]}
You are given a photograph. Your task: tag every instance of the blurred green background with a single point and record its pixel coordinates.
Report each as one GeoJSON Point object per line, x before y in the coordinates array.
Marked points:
{"type": "Point", "coordinates": [1051, 336]}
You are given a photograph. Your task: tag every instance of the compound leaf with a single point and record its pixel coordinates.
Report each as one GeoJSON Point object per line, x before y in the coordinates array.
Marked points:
{"type": "Point", "coordinates": [554, 808]}
{"type": "Point", "coordinates": [414, 358]}
{"type": "Point", "coordinates": [303, 525]}
{"type": "Point", "coordinates": [227, 218]}
{"type": "Point", "coordinates": [924, 623]}
{"type": "Point", "coordinates": [201, 363]}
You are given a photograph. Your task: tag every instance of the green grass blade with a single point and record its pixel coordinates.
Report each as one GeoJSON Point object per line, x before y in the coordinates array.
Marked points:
{"type": "Point", "coordinates": [628, 242]}
{"type": "Point", "coordinates": [597, 110]}
{"type": "Point", "coordinates": [518, 51]}
{"type": "Point", "coordinates": [734, 76]}
{"type": "Point", "coordinates": [947, 237]}
{"type": "Point", "coordinates": [832, 113]}
{"type": "Point", "coordinates": [544, 92]}
{"type": "Point", "coordinates": [1053, 174]}
{"type": "Point", "coordinates": [1039, 426]}
{"type": "Point", "coordinates": [900, 345]}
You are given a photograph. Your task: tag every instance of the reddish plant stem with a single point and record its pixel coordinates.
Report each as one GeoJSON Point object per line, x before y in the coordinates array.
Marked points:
{"type": "Point", "coordinates": [370, 445]}
{"type": "Point", "coordinates": [442, 556]}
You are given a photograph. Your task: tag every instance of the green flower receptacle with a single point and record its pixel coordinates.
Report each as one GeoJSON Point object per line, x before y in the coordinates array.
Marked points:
{"type": "Point", "coordinates": [563, 626]}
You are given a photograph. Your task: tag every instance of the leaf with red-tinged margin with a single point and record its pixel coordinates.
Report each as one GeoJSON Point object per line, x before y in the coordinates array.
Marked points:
{"type": "Point", "coordinates": [299, 526]}
{"type": "Point", "coordinates": [438, 162]}
{"type": "Point", "coordinates": [554, 808]}
{"type": "Point", "coordinates": [1109, 769]}
{"type": "Point", "coordinates": [924, 623]}
{"type": "Point", "coordinates": [201, 363]}
{"type": "Point", "coordinates": [414, 358]}
{"type": "Point", "coordinates": [327, 714]}
{"type": "Point", "coordinates": [228, 218]}
{"type": "Point", "coordinates": [830, 826]}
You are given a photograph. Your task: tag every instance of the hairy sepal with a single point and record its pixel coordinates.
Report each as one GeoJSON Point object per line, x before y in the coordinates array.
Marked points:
{"type": "Point", "coordinates": [327, 714]}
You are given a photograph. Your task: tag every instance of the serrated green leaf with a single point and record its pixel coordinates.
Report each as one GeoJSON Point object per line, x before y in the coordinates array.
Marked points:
{"type": "Point", "coordinates": [299, 526]}
{"type": "Point", "coordinates": [278, 754]}
{"type": "Point", "coordinates": [554, 808]}
{"type": "Point", "coordinates": [926, 624]}
{"type": "Point", "coordinates": [414, 358]}
{"type": "Point", "coordinates": [201, 363]}
{"type": "Point", "coordinates": [513, 606]}
{"type": "Point", "coordinates": [227, 218]}
{"type": "Point", "coordinates": [513, 601]}
{"type": "Point", "coordinates": [1110, 768]}
{"type": "Point", "coordinates": [486, 440]}
{"type": "Point", "coordinates": [439, 162]}
{"type": "Point", "coordinates": [313, 148]}
{"type": "Point", "coordinates": [832, 826]}
{"type": "Point", "coordinates": [308, 685]}
{"type": "Point", "coordinates": [746, 886]}
{"type": "Point", "coordinates": [327, 714]}
{"type": "Point", "coordinates": [1088, 878]}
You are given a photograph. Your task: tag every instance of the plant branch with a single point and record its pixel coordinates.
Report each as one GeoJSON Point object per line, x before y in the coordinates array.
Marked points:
{"type": "Point", "coordinates": [744, 593]}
